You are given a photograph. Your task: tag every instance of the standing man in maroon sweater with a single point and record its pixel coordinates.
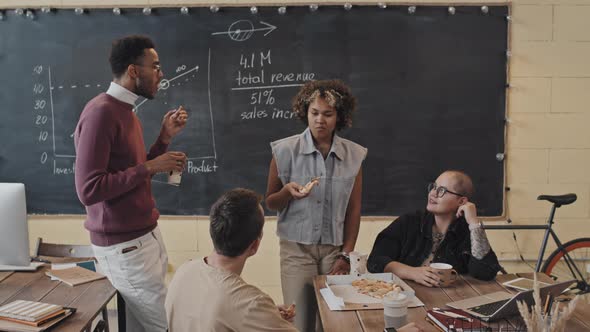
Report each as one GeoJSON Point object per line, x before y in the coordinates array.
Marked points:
{"type": "Point", "coordinates": [113, 181]}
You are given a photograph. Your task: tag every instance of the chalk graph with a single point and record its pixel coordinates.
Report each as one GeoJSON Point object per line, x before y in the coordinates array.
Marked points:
{"type": "Point", "coordinates": [65, 102]}
{"type": "Point", "coordinates": [189, 85]}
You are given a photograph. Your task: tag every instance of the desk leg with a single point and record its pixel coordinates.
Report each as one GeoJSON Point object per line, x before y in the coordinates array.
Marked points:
{"type": "Point", "coordinates": [105, 318]}
{"type": "Point", "coordinates": [103, 324]}
{"type": "Point", "coordinates": [121, 313]}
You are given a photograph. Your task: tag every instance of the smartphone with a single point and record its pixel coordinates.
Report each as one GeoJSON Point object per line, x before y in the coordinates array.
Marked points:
{"type": "Point", "coordinates": [389, 329]}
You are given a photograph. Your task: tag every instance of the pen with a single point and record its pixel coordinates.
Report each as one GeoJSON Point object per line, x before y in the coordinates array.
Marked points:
{"type": "Point", "coordinates": [546, 306]}
{"type": "Point", "coordinates": [549, 305]}
{"type": "Point", "coordinates": [453, 315]}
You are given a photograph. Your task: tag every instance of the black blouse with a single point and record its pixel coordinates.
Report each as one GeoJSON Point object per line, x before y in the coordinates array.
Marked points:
{"type": "Point", "coordinates": [408, 240]}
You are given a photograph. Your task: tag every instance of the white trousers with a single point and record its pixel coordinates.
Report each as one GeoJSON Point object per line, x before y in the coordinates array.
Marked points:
{"type": "Point", "coordinates": [138, 275]}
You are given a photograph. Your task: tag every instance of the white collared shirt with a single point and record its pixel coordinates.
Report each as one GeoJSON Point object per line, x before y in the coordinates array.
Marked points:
{"type": "Point", "coordinates": [120, 93]}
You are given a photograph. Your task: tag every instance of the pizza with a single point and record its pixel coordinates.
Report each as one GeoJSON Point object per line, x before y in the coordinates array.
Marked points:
{"type": "Point", "coordinates": [307, 188]}
{"type": "Point", "coordinates": [291, 310]}
{"type": "Point", "coordinates": [375, 288]}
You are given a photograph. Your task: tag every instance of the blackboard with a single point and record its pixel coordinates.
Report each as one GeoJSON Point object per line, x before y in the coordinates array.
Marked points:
{"type": "Point", "coordinates": [431, 89]}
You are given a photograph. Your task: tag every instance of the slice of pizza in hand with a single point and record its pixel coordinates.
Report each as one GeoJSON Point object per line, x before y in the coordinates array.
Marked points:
{"type": "Point", "coordinates": [307, 188]}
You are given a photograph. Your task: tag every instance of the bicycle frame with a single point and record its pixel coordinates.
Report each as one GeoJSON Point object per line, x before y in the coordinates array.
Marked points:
{"type": "Point", "coordinates": [548, 231]}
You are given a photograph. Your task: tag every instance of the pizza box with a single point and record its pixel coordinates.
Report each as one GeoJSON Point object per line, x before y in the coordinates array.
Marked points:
{"type": "Point", "coordinates": [340, 295]}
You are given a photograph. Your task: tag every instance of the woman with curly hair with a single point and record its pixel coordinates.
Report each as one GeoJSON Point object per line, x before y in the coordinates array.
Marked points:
{"type": "Point", "coordinates": [317, 224]}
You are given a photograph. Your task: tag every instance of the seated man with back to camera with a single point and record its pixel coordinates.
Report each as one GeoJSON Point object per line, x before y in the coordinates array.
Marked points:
{"type": "Point", "coordinates": [208, 294]}
{"type": "Point", "coordinates": [449, 231]}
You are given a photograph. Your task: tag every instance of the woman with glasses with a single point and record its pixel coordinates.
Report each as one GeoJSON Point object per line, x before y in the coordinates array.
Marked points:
{"type": "Point", "coordinates": [449, 231]}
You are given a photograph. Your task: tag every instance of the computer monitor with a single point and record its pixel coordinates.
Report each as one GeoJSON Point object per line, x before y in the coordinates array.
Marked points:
{"type": "Point", "coordinates": [14, 237]}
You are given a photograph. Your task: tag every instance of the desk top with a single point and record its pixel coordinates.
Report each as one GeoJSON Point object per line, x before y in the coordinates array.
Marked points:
{"type": "Point", "coordinates": [464, 287]}
{"type": "Point", "coordinates": [87, 298]}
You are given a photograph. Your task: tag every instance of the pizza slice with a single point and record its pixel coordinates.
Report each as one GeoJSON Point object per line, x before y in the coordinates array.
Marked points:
{"type": "Point", "coordinates": [375, 288]}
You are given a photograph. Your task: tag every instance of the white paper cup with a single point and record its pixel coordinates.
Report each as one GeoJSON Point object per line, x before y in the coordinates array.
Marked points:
{"type": "Point", "coordinates": [358, 263]}
{"type": "Point", "coordinates": [395, 310]}
{"type": "Point", "coordinates": [410, 295]}
{"type": "Point", "coordinates": [174, 178]}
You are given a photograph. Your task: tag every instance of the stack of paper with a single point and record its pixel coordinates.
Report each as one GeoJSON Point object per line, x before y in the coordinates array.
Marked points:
{"type": "Point", "coordinates": [31, 316]}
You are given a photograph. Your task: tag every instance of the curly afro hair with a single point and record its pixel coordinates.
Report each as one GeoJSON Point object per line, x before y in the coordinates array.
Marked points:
{"type": "Point", "coordinates": [335, 92]}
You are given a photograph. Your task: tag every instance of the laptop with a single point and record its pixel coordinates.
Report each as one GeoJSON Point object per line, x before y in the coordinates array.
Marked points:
{"type": "Point", "coordinates": [14, 238]}
{"type": "Point", "coordinates": [498, 305]}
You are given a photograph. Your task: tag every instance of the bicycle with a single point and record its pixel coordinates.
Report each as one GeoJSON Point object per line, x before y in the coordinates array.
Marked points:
{"type": "Point", "coordinates": [560, 264]}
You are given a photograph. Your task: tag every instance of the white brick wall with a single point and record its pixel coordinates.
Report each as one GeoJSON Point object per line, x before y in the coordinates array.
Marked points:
{"type": "Point", "coordinates": [530, 95]}
{"type": "Point", "coordinates": [570, 95]}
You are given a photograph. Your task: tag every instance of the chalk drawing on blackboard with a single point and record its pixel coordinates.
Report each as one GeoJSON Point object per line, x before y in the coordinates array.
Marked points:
{"type": "Point", "coordinates": [51, 104]}
{"type": "Point", "coordinates": [184, 75]}
{"type": "Point", "coordinates": [165, 84]}
{"type": "Point", "coordinates": [55, 99]}
{"type": "Point", "coordinates": [244, 29]}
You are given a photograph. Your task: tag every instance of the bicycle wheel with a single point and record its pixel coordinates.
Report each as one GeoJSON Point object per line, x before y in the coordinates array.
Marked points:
{"type": "Point", "coordinates": [579, 252]}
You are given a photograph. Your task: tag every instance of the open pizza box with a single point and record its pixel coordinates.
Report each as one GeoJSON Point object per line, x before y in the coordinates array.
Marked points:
{"type": "Point", "coordinates": [340, 295]}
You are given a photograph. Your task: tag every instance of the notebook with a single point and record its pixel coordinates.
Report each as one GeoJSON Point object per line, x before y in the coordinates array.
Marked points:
{"type": "Point", "coordinates": [28, 311]}
{"type": "Point", "coordinates": [446, 323]}
{"type": "Point", "coordinates": [89, 265]}
{"type": "Point", "coordinates": [19, 327]}
{"type": "Point", "coordinates": [74, 276]}
{"type": "Point", "coordinates": [39, 322]}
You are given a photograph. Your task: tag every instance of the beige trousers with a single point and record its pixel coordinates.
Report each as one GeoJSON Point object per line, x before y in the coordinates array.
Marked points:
{"type": "Point", "coordinates": [299, 264]}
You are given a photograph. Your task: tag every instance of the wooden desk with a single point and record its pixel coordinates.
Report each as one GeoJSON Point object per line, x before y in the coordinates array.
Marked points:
{"type": "Point", "coordinates": [89, 299]}
{"type": "Point", "coordinates": [464, 287]}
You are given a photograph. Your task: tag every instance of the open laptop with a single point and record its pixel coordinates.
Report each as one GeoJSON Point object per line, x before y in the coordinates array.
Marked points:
{"type": "Point", "coordinates": [14, 238]}
{"type": "Point", "coordinates": [500, 305]}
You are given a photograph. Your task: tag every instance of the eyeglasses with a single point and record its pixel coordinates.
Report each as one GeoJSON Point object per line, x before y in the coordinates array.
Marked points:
{"type": "Point", "coordinates": [440, 190]}
{"type": "Point", "coordinates": [156, 67]}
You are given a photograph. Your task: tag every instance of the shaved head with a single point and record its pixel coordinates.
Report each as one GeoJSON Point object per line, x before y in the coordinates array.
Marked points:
{"type": "Point", "coordinates": [462, 183]}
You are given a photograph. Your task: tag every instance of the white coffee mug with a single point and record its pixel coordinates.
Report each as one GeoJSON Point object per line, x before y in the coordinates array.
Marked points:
{"type": "Point", "coordinates": [446, 273]}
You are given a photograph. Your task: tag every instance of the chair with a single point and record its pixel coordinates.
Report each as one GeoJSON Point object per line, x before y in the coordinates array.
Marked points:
{"type": "Point", "coordinates": [62, 250]}
{"type": "Point", "coordinates": [73, 251]}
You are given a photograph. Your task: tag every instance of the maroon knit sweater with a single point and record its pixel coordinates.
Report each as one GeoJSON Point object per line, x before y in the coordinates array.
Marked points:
{"type": "Point", "coordinates": [111, 178]}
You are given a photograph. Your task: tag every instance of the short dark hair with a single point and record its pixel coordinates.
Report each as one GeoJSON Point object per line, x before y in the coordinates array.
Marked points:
{"type": "Point", "coordinates": [463, 184]}
{"type": "Point", "coordinates": [236, 221]}
{"type": "Point", "coordinates": [336, 93]}
{"type": "Point", "coordinates": [128, 50]}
